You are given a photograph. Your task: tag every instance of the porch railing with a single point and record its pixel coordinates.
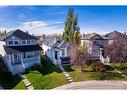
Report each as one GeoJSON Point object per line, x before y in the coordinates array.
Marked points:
{"type": "Point", "coordinates": [31, 60]}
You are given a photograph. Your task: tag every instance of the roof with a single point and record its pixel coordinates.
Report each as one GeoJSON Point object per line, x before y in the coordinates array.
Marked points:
{"type": "Point", "coordinates": [113, 34]}
{"type": "Point", "coordinates": [60, 44]}
{"type": "Point", "coordinates": [56, 44]}
{"type": "Point", "coordinates": [64, 44]}
{"type": "Point", "coordinates": [21, 49]}
{"type": "Point", "coordinates": [91, 35]}
{"type": "Point", "coordinates": [18, 33]}
{"type": "Point", "coordinates": [38, 37]}
{"type": "Point", "coordinates": [49, 40]}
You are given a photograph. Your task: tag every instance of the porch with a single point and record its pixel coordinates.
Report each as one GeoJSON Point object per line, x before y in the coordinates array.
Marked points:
{"type": "Point", "coordinates": [21, 61]}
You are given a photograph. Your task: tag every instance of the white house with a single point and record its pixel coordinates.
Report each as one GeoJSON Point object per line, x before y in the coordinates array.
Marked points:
{"type": "Point", "coordinates": [48, 42]}
{"type": "Point", "coordinates": [59, 53]}
{"type": "Point", "coordinates": [19, 51]}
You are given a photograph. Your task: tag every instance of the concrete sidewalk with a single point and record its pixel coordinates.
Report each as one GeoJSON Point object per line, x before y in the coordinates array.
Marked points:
{"type": "Point", "coordinates": [94, 84]}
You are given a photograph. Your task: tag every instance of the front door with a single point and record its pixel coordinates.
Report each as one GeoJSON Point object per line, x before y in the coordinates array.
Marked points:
{"type": "Point", "coordinates": [103, 53]}
{"type": "Point", "coordinates": [56, 55]}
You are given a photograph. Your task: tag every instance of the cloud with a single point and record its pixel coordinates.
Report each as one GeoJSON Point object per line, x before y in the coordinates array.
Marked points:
{"type": "Point", "coordinates": [40, 28]}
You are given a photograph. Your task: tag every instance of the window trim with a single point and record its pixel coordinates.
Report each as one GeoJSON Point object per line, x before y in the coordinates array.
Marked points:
{"type": "Point", "coordinates": [11, 41]}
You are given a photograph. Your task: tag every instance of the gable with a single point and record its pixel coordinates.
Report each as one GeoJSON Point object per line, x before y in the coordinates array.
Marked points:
{"type": "Point", "coordinates": [17, 33]}
{"type": "Point", "coordinates": [97, 37]}
{"type": "Point", "coordinates": [12, 37]}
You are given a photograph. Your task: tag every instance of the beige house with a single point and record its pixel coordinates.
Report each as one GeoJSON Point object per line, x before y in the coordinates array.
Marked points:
{"type": "Point", "coordinates": [95, 44]}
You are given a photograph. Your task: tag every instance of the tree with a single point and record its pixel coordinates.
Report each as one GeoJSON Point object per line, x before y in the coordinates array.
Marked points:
{"type": "Point", "coordinates": [79, 56]}
{"type": "Point", "coordinates": [117, 51]}
{"type": "Point", "coordinates": [71, 30]}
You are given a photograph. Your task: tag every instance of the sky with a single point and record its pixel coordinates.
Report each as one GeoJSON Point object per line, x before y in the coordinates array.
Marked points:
{"type": "Point", "coordinates": [48, 20]}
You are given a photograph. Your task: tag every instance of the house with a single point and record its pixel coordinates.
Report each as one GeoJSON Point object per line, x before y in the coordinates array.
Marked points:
{"type": "Point", "coordinates": [48, 42]}
{"type": "Point", "coordinates": [39, 39]}
{"type": "Point", "coordinates": [59, 53]}
{"type": "Point", "coordinates": [19, 51]}
{"type": "Point", "coordinates": [95, 44]}
{"type": "Point", "coordinates": [112, 36]}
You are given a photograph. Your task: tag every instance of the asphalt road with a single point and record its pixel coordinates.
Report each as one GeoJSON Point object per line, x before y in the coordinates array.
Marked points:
{"type": "Point", "coordinates": [94, 84]}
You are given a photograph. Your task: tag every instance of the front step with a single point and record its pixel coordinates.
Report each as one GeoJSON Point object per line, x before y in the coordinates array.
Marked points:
{"type": "Point", "coordinates": [18, 69]}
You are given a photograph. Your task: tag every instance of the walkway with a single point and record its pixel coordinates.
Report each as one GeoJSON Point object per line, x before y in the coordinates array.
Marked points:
{"type": "Point", "coordinates": [26, 82]}
{"type": "Point", "coordinates": [69, 78]}
{"type": "Point", "coordinates": [94, 84]}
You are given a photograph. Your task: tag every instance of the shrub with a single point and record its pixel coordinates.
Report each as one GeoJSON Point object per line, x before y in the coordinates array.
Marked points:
{"type": "Point", "coordinates": [109, 68]}
{"type": "Point", "coordinates": [35, 67]}
{"type": "Point", "coordinates": [98, 66]}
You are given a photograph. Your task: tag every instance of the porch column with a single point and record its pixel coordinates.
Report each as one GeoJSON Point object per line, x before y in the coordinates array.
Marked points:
{"type": "Point", "coordinates": [100, 53]}
{"type": "Point", "coordinates": [22, 60]}
{"type": "Point", "coordinates": [65, 52]}
{"type": "Point", "coordinates": [10, 62]}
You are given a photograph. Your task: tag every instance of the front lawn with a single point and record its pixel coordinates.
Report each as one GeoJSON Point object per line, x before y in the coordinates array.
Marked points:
{"type": "Point", "coordinates": [50, 77]}
{"type": "Point", "coordinates": [109, 74]}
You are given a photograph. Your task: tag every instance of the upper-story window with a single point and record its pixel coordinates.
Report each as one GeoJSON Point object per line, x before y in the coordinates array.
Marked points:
{"type": "Point", "coordinates": [33, 41]}
{"type": "Point", "coordinates": [96, 43]}
{"type": "Point", "coordinates": [16, 42]}
{"type": "Point", "coordinates": [28, 42]}
{"type": "Point", "coordinates": [10, 42]}
{"type": "Point", "coordinates": [24, 42]}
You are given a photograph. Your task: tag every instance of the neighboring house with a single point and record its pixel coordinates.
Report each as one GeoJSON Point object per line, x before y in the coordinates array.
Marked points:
{"type": "Point", "coordinates": [112, 36]}
{"type": "Point", "coordinates": [60, 53]}
{"type": "Point", "coordinates": [39, 39]}
{"type": "Point", "coordinates": [95, 44]}
{"type": "Point", "coordinates": [48, 42]}
{"type": "Point", "coordinates": [19, 51]}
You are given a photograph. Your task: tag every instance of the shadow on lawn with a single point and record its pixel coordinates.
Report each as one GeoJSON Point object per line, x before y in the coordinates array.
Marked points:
{"type": "Point", "coordinates": [69, 68]}
{"type": "Point", "coordinates": [7, 81]}
{"type": "Point", "coordinates": [46, 67]}
{"type": "Point", "coordinates": [49, 67]}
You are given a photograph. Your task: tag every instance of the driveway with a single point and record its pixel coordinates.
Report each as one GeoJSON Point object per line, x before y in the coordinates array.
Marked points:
{"type": "Point", "coordinates": [94, 84]}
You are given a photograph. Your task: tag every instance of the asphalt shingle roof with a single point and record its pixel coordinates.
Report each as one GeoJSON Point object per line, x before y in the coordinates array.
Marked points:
{"type": "Point", "coordinates": [18, 33]}
{"type": "Point", "coordinates": [21, 49]}
{"type": "Point", "coordinates": [113, 34]}
{"type": "Point", "coordinates": [91, 35]}
{"type": "Point", "coordinates": [56, 44]}
{"type": "Point", "coordinates": [49, 40]}
{"type": "Point", "coordinates": [60, 44]}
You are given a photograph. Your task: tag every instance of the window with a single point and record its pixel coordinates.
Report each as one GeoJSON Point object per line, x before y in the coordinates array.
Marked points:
{"type": "Point", "coordinates": [36, 54]}
{"type": "Point", "coordinates": [33, 41]}
{"type": "Point", "coordinates": [96, 43]}
{"type": "Point", "coordinates": [24, 55]}
{"type": "Point", "coordinates": [15, 57]}
{"type": "Point", "coordinates": [63, 52]}
{"type": "Point", "coordinates": [23, 42]}
{"type": "Point", "coordinates": [10, 42]}
{"type": "Point", "coordinates": [16, 42]}
{"type": "Point", "coordinates": [28, 41]}
{"type": "Point", "coordinates": [28, 55]}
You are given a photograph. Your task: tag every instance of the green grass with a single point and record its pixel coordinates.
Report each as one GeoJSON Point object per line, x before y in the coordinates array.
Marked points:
{"type": "Point", "coordinates": [20, 86]}
{"type": "Point", "coordinates": [77, 75]}
{"type": "Point", "coordinates": [49, 78]}
{"type": "Point", "coordinates": [7, 81]}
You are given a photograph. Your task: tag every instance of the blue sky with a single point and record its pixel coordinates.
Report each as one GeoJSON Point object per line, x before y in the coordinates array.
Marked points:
{"type": "Point", "coordinates": [40, 20]}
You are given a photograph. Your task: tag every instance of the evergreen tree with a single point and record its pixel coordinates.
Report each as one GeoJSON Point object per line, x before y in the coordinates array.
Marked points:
{"type": "Point", "coordinates": [71, 29]}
